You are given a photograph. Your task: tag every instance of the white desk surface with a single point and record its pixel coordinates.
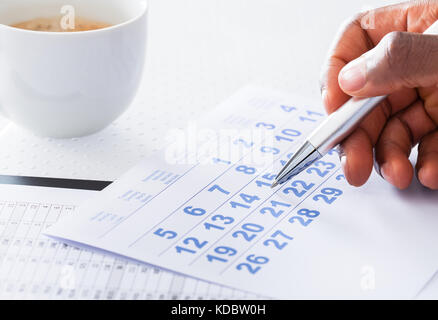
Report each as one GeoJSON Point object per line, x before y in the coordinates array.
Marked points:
{"type": "Point", "coordinates": [199, 53]}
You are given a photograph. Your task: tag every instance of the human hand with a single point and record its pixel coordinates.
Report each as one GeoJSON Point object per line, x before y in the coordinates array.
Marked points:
{"type": "Point", "coordinates": [393, 58]}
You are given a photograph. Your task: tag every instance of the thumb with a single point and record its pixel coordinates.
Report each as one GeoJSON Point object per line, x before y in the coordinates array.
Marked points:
{"type": "Point", "coordinates": [401, 59]}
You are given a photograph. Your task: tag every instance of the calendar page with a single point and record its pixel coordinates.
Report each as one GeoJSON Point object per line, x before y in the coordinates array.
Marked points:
{"type": "Point", "coordinates": [33, 266]}
{"type": "Point", "coordinates": [204, 208]}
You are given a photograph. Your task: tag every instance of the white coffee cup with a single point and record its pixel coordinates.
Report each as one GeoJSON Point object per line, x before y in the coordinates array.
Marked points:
{"type": "Point", "coordinates": [69, 84]}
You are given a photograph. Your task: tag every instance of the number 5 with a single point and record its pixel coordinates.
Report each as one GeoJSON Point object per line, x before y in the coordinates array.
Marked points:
{"type": "Point", "coordinates": [165, 234]}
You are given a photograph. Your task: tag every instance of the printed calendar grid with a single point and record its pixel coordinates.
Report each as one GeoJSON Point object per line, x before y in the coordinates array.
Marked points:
{"type": "Point", "coordinates": [302, 115]}
{"type": "Point", "coordinates": [231, 166]}
{"type": "Point", "coordinates": [178, 208]}
{"type": "Point", "coordinates": [261, 111]}
{"type": "Point", "coordinates": [263, 171]}
{"type": "Point", "coordinates": [262, 237]}
{"type": "Point", "coordinates": [34, 266]}
{"type": "Point", "coordinates": [235, 226]}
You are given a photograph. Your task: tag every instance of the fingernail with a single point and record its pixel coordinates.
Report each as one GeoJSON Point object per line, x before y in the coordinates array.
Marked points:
{"type": "Point", "coordinates": [427, 177]}
{"type": "Point", "coordinates": [353, 76]}
{"type": "Point", "coordinates": [387, 172]}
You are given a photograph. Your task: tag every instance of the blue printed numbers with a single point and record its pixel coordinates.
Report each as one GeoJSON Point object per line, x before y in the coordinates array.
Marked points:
{"type": "Point", "coordinates": [226, 220]}
{"type": "Point", "coordinates": [267, 176]}
{"type": "Point", "coordinates": [277, 239]}
{"type": "Point", "coordinates": [328, 195]}
{"type": "Point", "coordinates": [253, 263]}
{"type": "Point", "coordinates": [244, 143]}
{"type": "Point", "coordinates": [287, 108]}
{"type": "Point", "coordinates": [216, 187]}
{"type": "Point", "coordinates": [224, 251]}
{"type": "Point", "coordinates": [266, 149]}
{"type": "Point", "coordinates": [287, 134]}
{"type": "Point", "coordinates": [272, 210]}
{"type": "Point", "coordinates": [217, 160]}
{"type": "Point", "coordinates": [249, 231]}
{"type": "Point", "coordinates": [247, 199]}
{"type": "Point", "coordinates": [245, 169]}
{"type": "Point", "coordinates": [299, 188]}
{"type": "Point", "coordinates": [191, 242]}
{"type": "Point", "coordinates": [312, 116]}
{"type": "Point", "coordinates": [194, 211]}
{"type": "Point", "coordinates": [333, 151]}
{"type": "Point", "coordinates": [218, 220]}
{"type": "Point", "coordinates": [321, 168]}
{"type": "Point", "coordinates": [268, 126]}
{"type": "Point", "coordinates": [304, 217]}
{"type": "Point", "coordinates": [167, 234]}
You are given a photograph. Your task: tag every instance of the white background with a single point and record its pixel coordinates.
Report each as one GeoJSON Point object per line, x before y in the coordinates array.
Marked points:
{"type": "Point", "coordinates": [199, 53]}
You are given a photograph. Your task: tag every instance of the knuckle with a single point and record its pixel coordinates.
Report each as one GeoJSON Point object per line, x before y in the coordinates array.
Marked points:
{"type": "Point", "coordinates": [397, 48]}
{"type": "Point", "coordinates": [431, 109]}
{"type": "Point", "coordinates": [397, 52]}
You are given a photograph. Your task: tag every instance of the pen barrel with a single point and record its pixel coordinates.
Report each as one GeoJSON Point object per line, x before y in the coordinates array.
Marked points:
{"type": "Point", "coordinates": [341, 123]}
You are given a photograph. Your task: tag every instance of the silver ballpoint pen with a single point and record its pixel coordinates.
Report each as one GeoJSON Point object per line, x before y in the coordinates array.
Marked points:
{"type": "Point", "coordinates": [329, 134]}
{"type": "Point", "coordinates": [332, 131]}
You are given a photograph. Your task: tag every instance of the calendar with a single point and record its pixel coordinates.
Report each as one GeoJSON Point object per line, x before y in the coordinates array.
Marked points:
{"type": "Point", "coordinates": [204, 208]}
{"type": "Point", "coordinates": [33, 266]}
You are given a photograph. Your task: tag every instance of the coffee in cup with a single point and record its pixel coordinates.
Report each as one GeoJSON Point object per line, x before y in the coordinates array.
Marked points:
{"type": "Point", "coordinates": [53, 24]}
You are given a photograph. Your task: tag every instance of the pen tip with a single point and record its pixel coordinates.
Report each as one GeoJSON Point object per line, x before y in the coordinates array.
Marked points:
{"type": "Point", "coordinates": [274, 184]}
